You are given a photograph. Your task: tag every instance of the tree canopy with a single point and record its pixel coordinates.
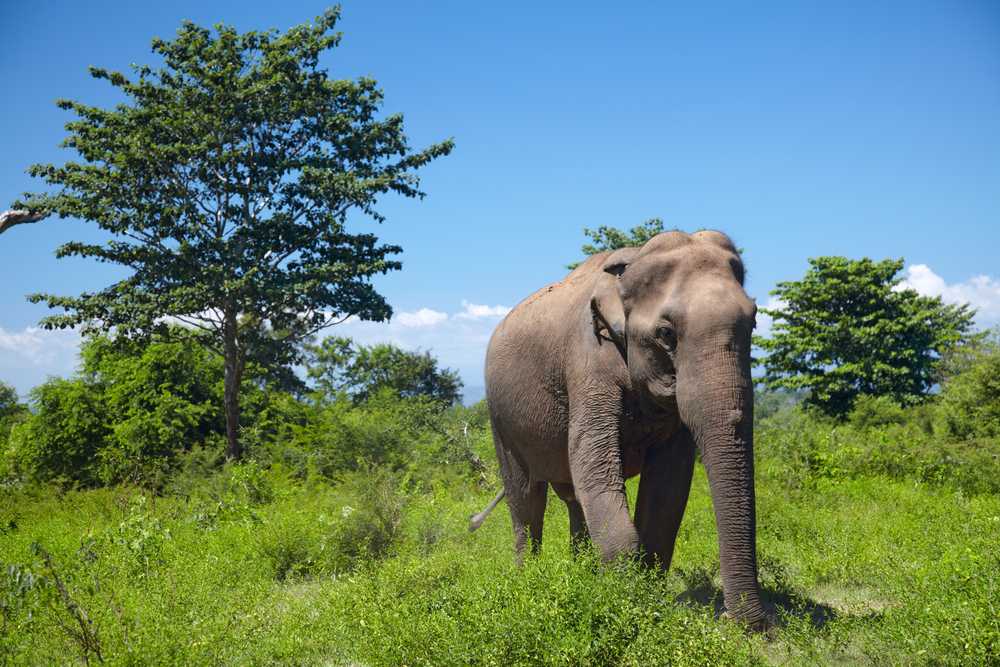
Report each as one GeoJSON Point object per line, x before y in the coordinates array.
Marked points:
{"type": "Point", "coordinates": [9, 404]}
{"type": "Point", "coordinates": [340, 365]}
{"type": "Point", "coordinates": [611, 238]}
{"type": "Point", "coordinates": [225, 183]}
{"type": "Point", "coordinates": [848, 329]}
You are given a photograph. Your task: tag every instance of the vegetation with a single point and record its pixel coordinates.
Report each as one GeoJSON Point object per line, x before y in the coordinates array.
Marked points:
{"type": "Point", "coordinates": [341, 537]}
{"type": "Point", "coordinates": [340, 365]}
{"type": "Point", "coordinates": [11, 410]}
{"type": "Point", "coordinates": [847, 330]}
{"type": "Point", "coordinates": [611, 238]}
{"type": "Point", "coordinates": [224, 186]}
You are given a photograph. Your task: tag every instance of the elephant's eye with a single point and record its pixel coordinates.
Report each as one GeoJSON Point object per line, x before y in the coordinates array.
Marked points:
{"type": "Point", "coordinates": [667, 335]}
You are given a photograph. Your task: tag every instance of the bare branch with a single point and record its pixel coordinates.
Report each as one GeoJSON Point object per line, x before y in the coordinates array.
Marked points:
{"type": "Point", "coordinates": [18, 217]}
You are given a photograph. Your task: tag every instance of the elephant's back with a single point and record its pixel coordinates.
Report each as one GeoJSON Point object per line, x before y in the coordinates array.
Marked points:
{"type": "Point", "coordinates": [537, 331]}
{"type": "Point", "coordinates": [525, 370]}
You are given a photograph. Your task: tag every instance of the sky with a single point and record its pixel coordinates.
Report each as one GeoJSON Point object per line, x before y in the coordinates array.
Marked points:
{"type": "Point", "coordinates": [800, 129]}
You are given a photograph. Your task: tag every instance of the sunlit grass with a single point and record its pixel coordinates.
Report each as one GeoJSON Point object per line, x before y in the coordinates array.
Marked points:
{"type": "Point", "coordinates": [867, 570]}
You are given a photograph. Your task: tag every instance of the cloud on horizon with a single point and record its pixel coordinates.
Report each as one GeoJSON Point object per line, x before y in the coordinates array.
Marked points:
{"type": "Point", "coordinates": [458, 339]}
{"type": "Point", "coordinates": [981, 292]}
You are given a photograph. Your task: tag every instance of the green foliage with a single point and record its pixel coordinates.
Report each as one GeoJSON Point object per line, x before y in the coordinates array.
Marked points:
{"type": "Point", "coordinates": [370, 528]}
{"type": "Point", "coordinates": [63, 438]}
{"type": "Point", "coordinates": [799, 446]}
{"type": "Point", "coordinates": [611, 238]}
{"type": "Point", "coordinates": [769, 402]}
{"type": "Point", "coordinates": [224, 185]}
{"type": "Point", "coordinates": [845, 330]}
{"type": "Point", "coordinates": [970, 397]}
{"type": "Point", "coordinates": [340, 365]}
{"type": "Point", "coordinates": [10, 405]}
{"type": "Point", "coordinates": [159, 399]}
{"type": "Point", "coordinates": [126, 417]}
{"type": "Point", "coordinates": [12, 412]}
{"type": "Point", "coordinates": [848, 562]}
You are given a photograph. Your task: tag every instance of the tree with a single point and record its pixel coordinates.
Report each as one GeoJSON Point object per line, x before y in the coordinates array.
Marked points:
{"type": "Point", "coordinates": [9, 404]}
{"type": "Point", "coordinates": [337, 364]}
{"type": "Point", "coordinates": [970, 392]}
{"type": "Point", "coordinates": [11, 411]}
{"type": "Point", "coordinates": [63, 437]}
{"type": "Point", "coordinates": [611, 238]}
{"type": "Point", "coordinates": [225, 185]}
{"type": "Point", "coordinates": [847, 329]}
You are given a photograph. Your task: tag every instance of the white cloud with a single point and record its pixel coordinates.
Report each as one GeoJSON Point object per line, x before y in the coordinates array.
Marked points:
{"type": "Point", "coordinates": [981, 292]}
{"type": "Point", "coordinates": [28, 356]}
{"type": "Point", "coordinates": [425, 317]}
{"type": "Point", "coordinates": [475, 311]}
{"type": "Point", "coordinates": [457, 339]}
{"type": "Point", "coordinates": [765, 321]}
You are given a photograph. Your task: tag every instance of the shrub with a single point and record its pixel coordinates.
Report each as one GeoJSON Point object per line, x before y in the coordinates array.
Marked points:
{"type": "Point", "coordinates": [288, 546]}
{"type": "Point", "coordinates": [799, 447]}
{"type": "Point", "coordinates": [871, 411]}
{"type": "Point", "coordinates": [970, 399]}
{"type": "Point", "coordinates": [61, 440]}
{"type": "Point", "coordinates": [370, 528]}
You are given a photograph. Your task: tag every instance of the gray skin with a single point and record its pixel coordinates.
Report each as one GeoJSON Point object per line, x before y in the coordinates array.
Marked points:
{"type": "Point", "coordinates": [624, 368]}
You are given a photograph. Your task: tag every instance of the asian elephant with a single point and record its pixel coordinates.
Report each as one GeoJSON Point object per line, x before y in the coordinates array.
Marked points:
{"type": "Point", "coordinates": [625, 367]}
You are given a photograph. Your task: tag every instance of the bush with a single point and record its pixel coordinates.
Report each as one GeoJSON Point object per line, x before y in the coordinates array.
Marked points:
{"type": "Point", "coordinates": [970, 400]}
{"type": "Point", "coordinates": [873, 411]}
{"type": "Point", "coordinates": [289, 547]}
{"type": "Point", "coordinates": [159, 399]}
{"type": "Point", "coordinates": [63, 437]}
{"type": "Point", "coordinates": [800, 446]}
{"type": "Point", "coordinates": [370, 528]}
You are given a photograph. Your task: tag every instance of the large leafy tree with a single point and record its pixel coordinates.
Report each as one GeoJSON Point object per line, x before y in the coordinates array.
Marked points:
{"type": "Point", "coordinates": [340, 365]}
{"type": "Point", "coordinates": [611, 238]}
{"type": "Point", "coordinates": [847, 329]}
{"type": "Point", "coordinates": [224, 184]}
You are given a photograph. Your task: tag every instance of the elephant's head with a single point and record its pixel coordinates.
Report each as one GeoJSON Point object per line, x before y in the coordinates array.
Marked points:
{"type": "Point", "coordinates": [677, 311]}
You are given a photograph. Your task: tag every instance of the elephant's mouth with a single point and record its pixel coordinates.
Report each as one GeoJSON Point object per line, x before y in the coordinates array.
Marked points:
{"type": "Point", "coordinates": [659, 395]}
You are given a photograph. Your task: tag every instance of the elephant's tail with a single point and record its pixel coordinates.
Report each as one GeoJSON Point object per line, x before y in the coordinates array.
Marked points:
{"type": "Point", "coordinates": [476, 520]}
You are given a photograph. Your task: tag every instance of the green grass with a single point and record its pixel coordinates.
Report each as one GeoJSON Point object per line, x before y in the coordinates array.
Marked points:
{"type": "Point", "coordinates": [863, 570]}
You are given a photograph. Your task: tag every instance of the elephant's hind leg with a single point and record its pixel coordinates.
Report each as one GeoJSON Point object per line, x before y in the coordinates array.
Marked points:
{"type": "Point", "coordinates": [525, 500]}
{"type": "Point", "coordinates": [578, 533]}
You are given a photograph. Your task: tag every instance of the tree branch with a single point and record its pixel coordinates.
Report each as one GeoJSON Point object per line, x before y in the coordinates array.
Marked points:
{"type": "Point", "coordinates": [18, 217]}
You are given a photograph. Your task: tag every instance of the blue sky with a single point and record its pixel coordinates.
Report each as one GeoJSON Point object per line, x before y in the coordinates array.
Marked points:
{"type": "Point", "coordinates": [861, 129]}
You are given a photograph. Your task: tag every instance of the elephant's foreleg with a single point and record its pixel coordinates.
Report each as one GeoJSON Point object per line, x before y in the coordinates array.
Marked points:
{"type": "Point", "coordinates": [596, 468]}
{"type": "Point", "coordinates": [664, 485]}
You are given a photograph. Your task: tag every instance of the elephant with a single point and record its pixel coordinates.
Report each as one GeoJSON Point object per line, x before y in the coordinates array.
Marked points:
{"type": "Point", "coordinates": [633, 362]}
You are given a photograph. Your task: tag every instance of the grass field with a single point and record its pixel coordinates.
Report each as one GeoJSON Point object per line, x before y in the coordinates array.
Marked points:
{"type": "Point", "coordinates": [253, 566]}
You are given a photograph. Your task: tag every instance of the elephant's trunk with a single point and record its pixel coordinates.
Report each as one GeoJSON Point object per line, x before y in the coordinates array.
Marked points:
{"type": "Point", "coordinates": [715, 397]}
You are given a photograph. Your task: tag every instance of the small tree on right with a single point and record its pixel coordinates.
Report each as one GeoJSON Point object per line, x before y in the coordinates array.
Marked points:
{"type": "Point", "coordinates": [848, 328]}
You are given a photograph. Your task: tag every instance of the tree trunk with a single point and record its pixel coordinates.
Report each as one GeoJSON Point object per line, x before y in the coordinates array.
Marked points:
{"type": "Point", "coordinates": [233, 378]}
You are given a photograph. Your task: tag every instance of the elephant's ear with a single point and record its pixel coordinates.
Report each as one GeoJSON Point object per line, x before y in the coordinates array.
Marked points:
{"type": "Point", "coordinates": [606, 302]}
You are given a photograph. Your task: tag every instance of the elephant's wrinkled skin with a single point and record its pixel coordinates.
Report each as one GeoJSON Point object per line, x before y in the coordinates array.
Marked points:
{"type": "Point", "coordinates": [637, 357]}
